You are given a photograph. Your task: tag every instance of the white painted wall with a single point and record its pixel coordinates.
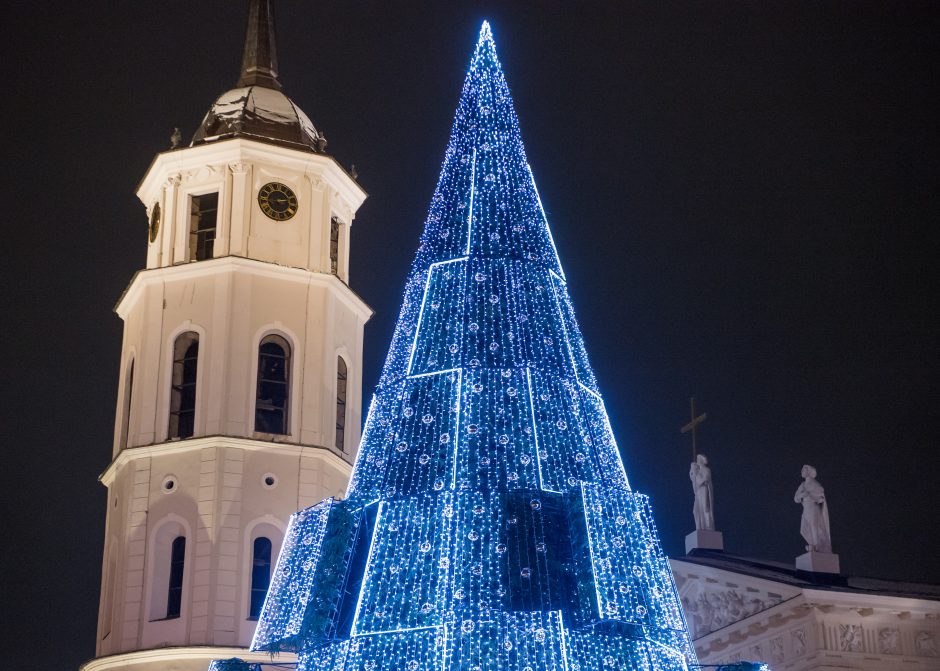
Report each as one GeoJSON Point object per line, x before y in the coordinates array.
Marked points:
{"type": "Point", "coordinates": [266, 277]}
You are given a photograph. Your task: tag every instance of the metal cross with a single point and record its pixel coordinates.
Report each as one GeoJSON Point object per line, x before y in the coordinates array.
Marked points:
{"type": "Point", "coordinates": [691, 426]}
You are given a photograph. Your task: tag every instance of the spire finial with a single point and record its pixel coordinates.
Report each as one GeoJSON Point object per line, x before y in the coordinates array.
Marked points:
{"type": "Point", "coordinates": [259, 64]}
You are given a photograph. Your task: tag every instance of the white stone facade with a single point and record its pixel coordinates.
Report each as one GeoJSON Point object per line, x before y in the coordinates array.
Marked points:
{"type": "Point", "coordinates": [791, 625]}
{"type": "Point", "coordinates": [226, 484]}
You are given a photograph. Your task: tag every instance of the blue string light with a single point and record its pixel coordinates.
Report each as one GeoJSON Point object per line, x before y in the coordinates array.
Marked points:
{"type": "Point", "coordinates": [489, 524]}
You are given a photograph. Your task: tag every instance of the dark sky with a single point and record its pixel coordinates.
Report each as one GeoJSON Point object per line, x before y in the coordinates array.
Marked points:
{"type": "Point", "coordinates": [743, 196]}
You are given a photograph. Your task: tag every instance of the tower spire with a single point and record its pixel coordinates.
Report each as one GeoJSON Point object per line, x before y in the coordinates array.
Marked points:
{"type": "Point", "coordinates": [259, 63]}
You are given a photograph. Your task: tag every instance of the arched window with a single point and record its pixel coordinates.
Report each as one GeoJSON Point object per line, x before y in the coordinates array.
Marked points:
{"type": "Point", "coordinates": [174, 593]}
{"type": "Point", "coordinates": [183, 385]}
{"type": "Point", "coordinates": [260, 575]}
{"type": "Point", "coordinates": [272, 399]}
{"type": "Point", "coordinates": [166, 574]}
{"type": "Point", "coordinates": [126, 411]}
{"type": "Point", "coordinates": [341, 378]}
{"type": "Point", "coordinates": [107, 606]}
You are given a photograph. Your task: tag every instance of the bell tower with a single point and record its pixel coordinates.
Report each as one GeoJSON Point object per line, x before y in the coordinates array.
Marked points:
{"type": "Point", "coordinates": [240, 387]}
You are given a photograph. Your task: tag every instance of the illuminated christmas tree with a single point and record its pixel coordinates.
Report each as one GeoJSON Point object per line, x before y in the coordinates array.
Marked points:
{"type": "Point", "coordinates": [489, 524]}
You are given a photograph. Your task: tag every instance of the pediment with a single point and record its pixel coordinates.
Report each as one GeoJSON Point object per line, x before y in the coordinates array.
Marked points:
{"type": "Point", "coordinates": [714, 598]}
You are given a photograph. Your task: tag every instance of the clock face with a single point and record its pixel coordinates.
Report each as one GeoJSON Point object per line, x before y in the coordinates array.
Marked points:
{"type": "Point", "coordinates": [154, 226]}
{"type": "Point", "coordinates": [277, 201]}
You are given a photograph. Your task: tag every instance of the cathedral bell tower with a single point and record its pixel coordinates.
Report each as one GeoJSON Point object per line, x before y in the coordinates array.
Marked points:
{"type": "Point", "coordinates": [240, 387]}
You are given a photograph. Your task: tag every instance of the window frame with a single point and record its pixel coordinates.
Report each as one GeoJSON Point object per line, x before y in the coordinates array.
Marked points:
{"type": "Point", "coordinates": [335, 233]}
{"type": "Point", "coordinates": [157, 573]}
{"type": "Point", "coordinates": [193, 243]}
{"type": "Point", "coordinates": [252, 589]}
{"type": "Point", "coordinates": [283, 341]}
{"type": "Point", "coordinates": [179, 357]}
{"type": "Point", "coordinates": [174, 590]}
{"type": "Point", "coordinates": [339, 437]}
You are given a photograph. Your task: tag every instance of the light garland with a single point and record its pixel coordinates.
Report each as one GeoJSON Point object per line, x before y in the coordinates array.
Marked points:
{"type": "Point", "coordinates": [489, 524]}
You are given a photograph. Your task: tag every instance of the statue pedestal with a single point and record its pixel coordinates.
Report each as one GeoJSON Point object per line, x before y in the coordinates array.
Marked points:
{"type": "Point", "coordinates": [703, 539]}
{"type": "Point", "coordinates": [817, 562]}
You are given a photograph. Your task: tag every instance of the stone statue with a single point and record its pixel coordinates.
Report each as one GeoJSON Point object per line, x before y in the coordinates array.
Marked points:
{"type": "Point", "coordinates": [703, 510]}
{"type": "Point", "coordinates": [815, 523]}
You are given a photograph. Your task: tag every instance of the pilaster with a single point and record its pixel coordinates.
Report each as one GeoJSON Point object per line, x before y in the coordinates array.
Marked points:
{"type": "Point", "coordinates": [229, 521]}
{"type": "Point", "coordinates": [135, 542]}
{"type": "Point", "coordinates": [205, 539]}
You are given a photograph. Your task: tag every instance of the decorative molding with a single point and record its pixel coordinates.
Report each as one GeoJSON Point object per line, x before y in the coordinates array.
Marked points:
{"type": "Point", "coordinates": [850, 638]}
{"type": "Point", "coordinates": [889, 641]}
{"type": "Point", "coordinates": [131, 454]}
{"type": "Point", "coordinates": [925, 644]}
{"type": "Point", "coordinates": [170, 658]}
{"type": "Point", "coordinates": [776, 649]}
{"type": "Point", "coordinates": [244, 150]}
{"type": "Point", "coordinates": [798, 640]}
{"type": "Point", "coordinates": [714, 608]}
{"type": "Point", "coordinates": [186, 271]}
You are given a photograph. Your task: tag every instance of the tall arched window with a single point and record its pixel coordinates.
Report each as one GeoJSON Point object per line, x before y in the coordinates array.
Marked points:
{"type": "Point", "coordinates": [126, 410]}
{"type": "Point", "coordinates": [260, 575]}
{"type": "Point", "coordinates": [341, 378]}
{"type": "Point", "coordinates": [109, 578]}
{"type": "Point", "coordinates": [174, 593]}
{"type": "Point", "coordinates": [183, 385]}
{"type": "Point", "coordinates": [272, 399]}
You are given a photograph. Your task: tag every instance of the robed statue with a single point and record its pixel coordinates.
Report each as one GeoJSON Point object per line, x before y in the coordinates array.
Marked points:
{"type": "Point", "coordinates": [815, 523]}
{"type": "Point", "coordinates": [703, 510]}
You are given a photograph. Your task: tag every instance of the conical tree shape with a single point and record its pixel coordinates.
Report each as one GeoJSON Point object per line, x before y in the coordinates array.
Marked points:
{"type": "Point", "coordinates": [489, 524]}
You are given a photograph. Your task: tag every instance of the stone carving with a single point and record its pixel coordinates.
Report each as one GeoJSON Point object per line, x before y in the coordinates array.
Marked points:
{"type": "Point", "coordinates": [925, 645]}
{"type": "Point", "coordinates": [850, 637]}
{"type": "Point", "coordinates": [815, 523]}
{"type": "Point", "coordinates": [776, 649]}
{"type": "Point", "coordinates": [712, 610]}
{"type": "Point", "coordinates": [703, 510]}
{"type": "Point", "coordinates": [798, 638]}
{"type": "Point", "coordinates": [757, 653]}
{"type": "Point", "coordinates": [889, 641]}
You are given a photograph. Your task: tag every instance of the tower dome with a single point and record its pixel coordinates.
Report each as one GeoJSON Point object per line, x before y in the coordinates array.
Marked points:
{"type": "Point", "coordinates": [257, 108]}
{"type": "Point", "coordinates": [259, 113]}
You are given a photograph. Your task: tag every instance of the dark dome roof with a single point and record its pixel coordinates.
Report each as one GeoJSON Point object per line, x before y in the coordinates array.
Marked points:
{"type": "Point", "coordinates": [262, 113]}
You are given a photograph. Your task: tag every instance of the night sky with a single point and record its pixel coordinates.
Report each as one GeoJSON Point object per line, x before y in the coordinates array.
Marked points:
{"type": "Point", "coordinates": [743, 196]}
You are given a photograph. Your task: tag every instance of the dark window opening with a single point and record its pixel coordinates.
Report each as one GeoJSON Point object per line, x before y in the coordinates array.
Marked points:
{"type": "Point", "coordinates": [174, 595]}
{"type": "Point", "coordinates": [183, 386]}
{"type": "Point", "coordinates": [202, 222]}
{"type": "Point", "coordinates": [128, 395]}
{"type": "Point", "coordinates": [260, 575]}
{"type": "Point", "coordinates": [273, 393]}
{"type": "Point", "coordinates": [341, 377]}
{"type": "Point", "coordinates": [334, 246]}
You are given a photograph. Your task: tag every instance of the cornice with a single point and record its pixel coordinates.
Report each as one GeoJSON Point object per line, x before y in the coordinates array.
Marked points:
{"type": "Point", "coordinates": [242, 150]}
{"type": "Point", "coordinates": [231, 264]}
{"type": "Point", "coordinates": [687, 568]}
{"type": "Point", "coordinates": [129, 454]}
{"type": "Point", "coordinates": [127, 660]}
